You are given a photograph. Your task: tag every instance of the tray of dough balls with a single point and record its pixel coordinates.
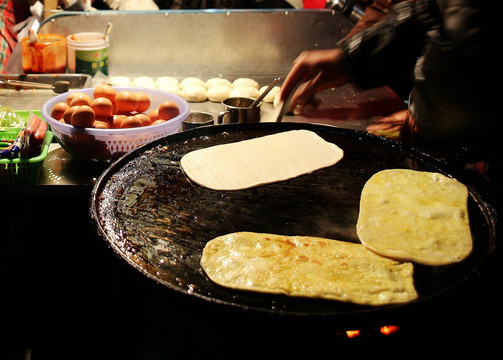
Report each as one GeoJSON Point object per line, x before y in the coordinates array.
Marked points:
{"type": "Point", "coordinates": [206, 93]}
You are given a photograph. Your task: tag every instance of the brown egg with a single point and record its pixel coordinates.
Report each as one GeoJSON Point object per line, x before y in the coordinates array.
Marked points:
{"type": "Point", "coordinates": [70, 96]}
{"type": "Point", "coordinates": [154, 115]}
{"type": "Point", "coordinates": [127, 113]}
{"type": "Point", "coordinates": [101, 123]}
{"type": "Point", "coordinates": [67, 115]}
{"type": "Point", "coordinates": [102, 107]}
{"type": "Point", "coordinates": [83, 116]}
{"type": "Point", "coordinates": [158, 121]}
{"type": "Point", "coordinates": [131, 122]}
{"type": "Point", "coordinates": [117, 121]}
{"type": "Point", "coordinates": [126, 101]}
{"type": "Point", "coordinates": [143, 101]}
{"type": "Point", "coordinates": [168, 110]}
{"type": "Point", "coordinates": [58, 110]}
{"type": "Point", "coordinates": [145, 120]}
{"type": "Point", "coordinates": [106, 91]}
{"type": "Point", "coordinates": [81, 99]}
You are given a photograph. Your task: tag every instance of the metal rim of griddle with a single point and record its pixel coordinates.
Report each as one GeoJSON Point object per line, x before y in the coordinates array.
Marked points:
{"type": "Point", "coordinates": [486, 209]}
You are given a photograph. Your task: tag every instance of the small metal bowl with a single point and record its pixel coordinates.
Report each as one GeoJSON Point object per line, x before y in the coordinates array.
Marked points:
{"type": "Point", "coordinates": [196, 119]}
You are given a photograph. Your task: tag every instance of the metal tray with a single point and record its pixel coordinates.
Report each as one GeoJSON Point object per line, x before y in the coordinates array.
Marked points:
{"type": "Point", "coordinates": [77, 81]}
{"type": "Point", "coordinates": [34, 99]}
{"type": "Point", "coordinates": [158, 221]}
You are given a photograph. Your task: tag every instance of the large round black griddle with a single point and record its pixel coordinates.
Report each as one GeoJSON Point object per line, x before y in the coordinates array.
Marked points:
{"type": "Point", "coordinates": [155, 218]}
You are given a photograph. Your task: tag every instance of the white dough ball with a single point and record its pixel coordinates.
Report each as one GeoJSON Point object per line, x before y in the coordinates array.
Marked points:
{"type": "Point", "coordinates": [245, 82]}
{"type": "Point", "coordinates": [121, 81]}
{"type": "Point", "coordinates": [271, 94]}
{"type": "Point", "coordinates": [244, 91]}
{"type": "Point", "coordinates": [194, 93]}
{"type": "Point", "coordinates": [166, 81]}
{"type": "Point", "coordinates": [191, 81]}
{"type": "Point", "coordinates": [217, 82]}
{"type": "Point", "coordinates": [218, 93]}
{"type": "Point", "coordinates": [277, 102]}
{"type": "Point", "coordinates": [144, 81]}
{"type": "Point", "coordinates": [169, 88]}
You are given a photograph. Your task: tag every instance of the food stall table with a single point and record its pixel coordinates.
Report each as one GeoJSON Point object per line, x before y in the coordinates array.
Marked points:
{"type": "Point", "coordinates": [66, 293]}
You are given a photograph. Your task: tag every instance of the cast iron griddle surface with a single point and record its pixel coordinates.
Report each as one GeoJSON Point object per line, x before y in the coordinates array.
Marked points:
{"type": "Point", "coordinates": [159, 221]}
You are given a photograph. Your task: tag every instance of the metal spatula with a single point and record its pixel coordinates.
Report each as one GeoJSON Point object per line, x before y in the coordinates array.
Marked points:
{"type": "Point", "coordinates": [59, 86]}
{"type": "Point", "coordinates": [283, 106]}
{"type": "Point", "coordinates": [265, 92]}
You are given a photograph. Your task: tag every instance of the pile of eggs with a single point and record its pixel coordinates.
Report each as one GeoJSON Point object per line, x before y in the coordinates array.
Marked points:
{"type": "Point", "coordinates": [111, 109]}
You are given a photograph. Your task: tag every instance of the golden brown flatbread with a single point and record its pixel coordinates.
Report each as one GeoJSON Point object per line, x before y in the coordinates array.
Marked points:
{"type": "Point", "coordinates": [307, 267]}
{"type": "Point", "coordinates": [415, 216]}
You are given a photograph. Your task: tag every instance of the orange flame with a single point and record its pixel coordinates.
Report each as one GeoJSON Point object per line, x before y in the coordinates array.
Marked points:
{"type": "Point", "coordinates": [384, 330]}
{"type": "Point", "coordinates": [389, 329]}
{"type": "Point", "coordinates": [352, 333]}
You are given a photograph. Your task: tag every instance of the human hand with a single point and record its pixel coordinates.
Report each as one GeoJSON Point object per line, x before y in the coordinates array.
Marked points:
{"type": "Point", "coordinates": [395, 126]}
{"type": "Point", "coordinates": [313, 71]}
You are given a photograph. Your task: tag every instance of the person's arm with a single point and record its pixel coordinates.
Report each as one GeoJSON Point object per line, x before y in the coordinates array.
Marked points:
{"type": "Point", "coordinates": [314, 71]}
{"type": "Point", "coordinates": [370, 58]}
{"type": "Point", "coordinates": [374, 13]}
{"type": "Point", "coordinates": [379, 54]}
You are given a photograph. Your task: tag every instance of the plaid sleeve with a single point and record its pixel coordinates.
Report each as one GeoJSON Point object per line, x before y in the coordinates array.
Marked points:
{"type": "Point", "coordinates": [389, 49]}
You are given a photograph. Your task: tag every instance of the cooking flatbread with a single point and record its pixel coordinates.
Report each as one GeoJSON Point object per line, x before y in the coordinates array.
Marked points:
{"type": "Point", "coordinates": [259, 161]}
{"type": "Point", "coordinates": [307, 267]}
{"type": "Point", "coordinates": [415, 216]}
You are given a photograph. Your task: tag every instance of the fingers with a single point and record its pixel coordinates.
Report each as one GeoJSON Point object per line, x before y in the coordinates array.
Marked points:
{"type": "Point", "coordinates": [302, 95]}
{"type": "Point", "coordinates": [311, 72]}
{"type": "Point", "coordinates": [296, 76]}
{"type": "Point", "coordinates": [376, 128]}
{"type": "Point", "coordinates": [391, 126]}
{"type": "Point", "coordinates": [386, 130]}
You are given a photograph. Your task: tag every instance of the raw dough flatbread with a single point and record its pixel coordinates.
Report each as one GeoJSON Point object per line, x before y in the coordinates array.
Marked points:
{"type": "Point", "coordinates": [308, 267]}
{"type": "Point", "coordinates": [259, 161]}
{"type": "Point", "coordinates": [415, 216]}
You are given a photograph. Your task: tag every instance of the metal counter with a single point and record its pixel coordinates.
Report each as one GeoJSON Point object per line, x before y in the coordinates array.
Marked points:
{"type": "Point", "coordinates": [345, 107]}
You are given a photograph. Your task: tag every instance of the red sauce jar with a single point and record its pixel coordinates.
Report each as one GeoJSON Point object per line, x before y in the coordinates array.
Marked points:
{"type": "Point", "coordinates": [48, 55]}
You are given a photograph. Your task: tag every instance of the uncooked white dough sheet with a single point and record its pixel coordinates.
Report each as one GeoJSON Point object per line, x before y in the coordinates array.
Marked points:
{"type": "Point", "coordinates": [261, 160]}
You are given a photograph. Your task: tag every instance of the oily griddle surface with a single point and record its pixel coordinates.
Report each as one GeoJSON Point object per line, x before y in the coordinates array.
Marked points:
{"type": "Point", "coordinates": [159, 221]}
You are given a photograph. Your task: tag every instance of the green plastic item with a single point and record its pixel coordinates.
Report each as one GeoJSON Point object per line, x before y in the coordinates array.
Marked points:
{"type": "Point", "coordinates": [23, 171]}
